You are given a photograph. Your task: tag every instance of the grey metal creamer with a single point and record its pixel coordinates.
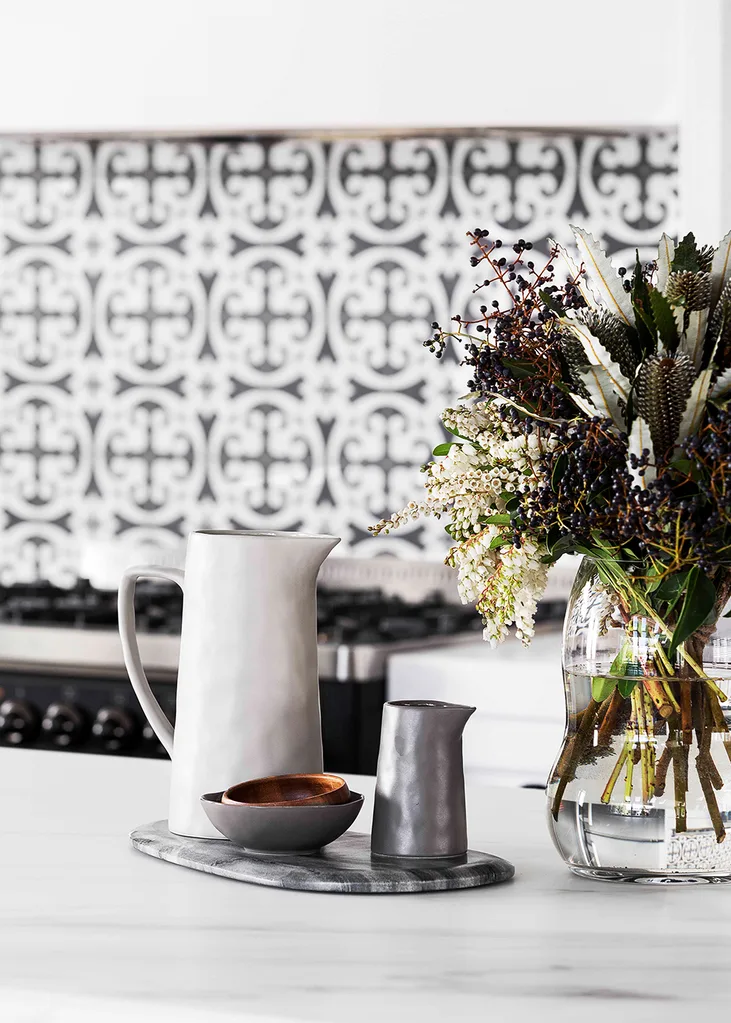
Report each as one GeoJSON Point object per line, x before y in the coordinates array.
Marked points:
{"type": "Point", "coordinates": [420, 799]}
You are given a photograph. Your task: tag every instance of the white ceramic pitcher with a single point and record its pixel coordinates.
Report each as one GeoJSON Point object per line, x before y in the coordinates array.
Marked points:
{"type": "Point", "coordinates": [248, 697]}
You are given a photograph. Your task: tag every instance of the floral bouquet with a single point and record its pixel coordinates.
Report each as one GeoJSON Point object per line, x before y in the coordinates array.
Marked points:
{"type": "Point", "coordinates": [598, 423]}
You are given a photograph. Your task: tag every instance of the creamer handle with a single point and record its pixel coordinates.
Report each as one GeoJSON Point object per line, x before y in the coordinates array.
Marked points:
{"type": "Point", "coordinates": [130, 648]}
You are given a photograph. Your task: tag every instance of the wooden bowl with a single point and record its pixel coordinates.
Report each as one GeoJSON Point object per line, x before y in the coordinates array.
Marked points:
{"type": "Point", "coordinates": [289, 790]}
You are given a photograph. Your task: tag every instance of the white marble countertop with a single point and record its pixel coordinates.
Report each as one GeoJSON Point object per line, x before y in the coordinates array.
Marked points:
{"type": "Point", "coordinates": [91, 930]}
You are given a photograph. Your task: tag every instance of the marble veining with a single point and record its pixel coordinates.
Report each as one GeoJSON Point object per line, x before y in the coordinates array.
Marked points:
{"type": "Point", "coordinates": [345, 866]}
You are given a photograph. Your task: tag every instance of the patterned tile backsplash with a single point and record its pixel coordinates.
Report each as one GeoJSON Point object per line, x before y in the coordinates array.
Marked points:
{"type": "Point", "coordinates": [228, 332]}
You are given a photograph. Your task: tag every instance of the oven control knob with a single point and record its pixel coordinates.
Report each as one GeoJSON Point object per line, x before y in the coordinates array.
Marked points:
{"type": "Point", "coordinates": [116, 728]}
{"type": "Point", "coordinates": [18, 721]}
{"type": "Point", "coordinates": [64, 724]}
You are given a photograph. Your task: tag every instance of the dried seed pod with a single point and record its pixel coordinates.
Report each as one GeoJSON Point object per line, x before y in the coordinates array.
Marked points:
{"type": "Point", "coordinates": [663, 387]}
{"type": "Point", "coordinates": [718, 335]}
{"type": "Point", "coordinates": [691, 289]}
{"type": "Point", "coordinates": [705, 257]}
{"type": "Point", "coordinates": [613, 334]}
{"type": "Point", "coordinates": [576, 361]}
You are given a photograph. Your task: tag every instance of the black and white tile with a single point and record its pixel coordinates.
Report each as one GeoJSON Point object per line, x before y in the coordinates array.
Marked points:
{"type": "Point", "coordinates": [216, 333]}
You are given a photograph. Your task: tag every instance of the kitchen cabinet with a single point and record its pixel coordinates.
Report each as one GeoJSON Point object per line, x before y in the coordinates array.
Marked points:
{"type": "Point", "coordinates": [233, 66]}
{"type": "Point", "coordinates": [223, 66]}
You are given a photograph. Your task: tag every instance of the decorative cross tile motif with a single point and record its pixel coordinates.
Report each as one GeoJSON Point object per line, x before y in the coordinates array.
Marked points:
{"type": "Point", "coordinates": [228, 333]}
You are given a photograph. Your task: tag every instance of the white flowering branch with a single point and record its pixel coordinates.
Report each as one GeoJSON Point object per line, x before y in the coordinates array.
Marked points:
{"type": "Point", "coordinates": [490, 460]}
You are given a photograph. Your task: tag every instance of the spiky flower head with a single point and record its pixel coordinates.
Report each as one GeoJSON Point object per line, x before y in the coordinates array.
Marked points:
{"type": "Point", "coordinates": [693, 290]}
{"type": "Point", "coordinates": [576, 362]}
{"type": "Point", "coordinates": [705, 257]}
{"type": "Point", "coordinates": [612, 333]}
{"type": "Point", "coordinates": [663, 387]}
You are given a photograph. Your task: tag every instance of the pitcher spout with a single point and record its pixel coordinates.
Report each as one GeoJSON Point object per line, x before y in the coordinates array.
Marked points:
{"type": "Point", "coordinates": [453, 716]}
{"type": "Point", "coordinates": [316, 546]}
{"type": "Point", "coordinates": [323, 545]}
{"type": "Point", "coordinates": [306, 551]}
{"type": "Point", "coordinates": [462, 714]}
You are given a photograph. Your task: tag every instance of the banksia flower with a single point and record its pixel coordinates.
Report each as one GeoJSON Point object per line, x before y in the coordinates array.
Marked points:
{"type": "Point", "coordinates": [718, 336]}
{"type": "Point", "coordinates": [705, 257]}
{"type": "Point", "coordinates": [613, 335]}
{"type": "Point", "coordinates": [693, 290]}
{"type": "Point", "coordinates": [576, 360]}
{"type": "Point", "coordinates": [663, 388]}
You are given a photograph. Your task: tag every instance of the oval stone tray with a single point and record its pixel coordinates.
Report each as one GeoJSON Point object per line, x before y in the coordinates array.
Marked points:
{"type": "Point", "coordinates": [345, 866]}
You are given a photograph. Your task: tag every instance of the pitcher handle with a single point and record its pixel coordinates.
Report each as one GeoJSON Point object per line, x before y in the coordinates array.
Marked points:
{"type": "Point", "coordinates": [131, 650]}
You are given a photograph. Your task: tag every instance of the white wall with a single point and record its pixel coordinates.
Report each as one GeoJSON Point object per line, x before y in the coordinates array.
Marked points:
{"type": "Point", "coordinates": [705, 118]}
{"type": "Point", "coordinates": [212, 66]}
{"type": "Point", "coordinates": [230, 65]}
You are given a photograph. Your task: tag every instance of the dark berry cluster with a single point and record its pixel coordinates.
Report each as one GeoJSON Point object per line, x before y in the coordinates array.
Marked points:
{"type": "Point", "coordinates": [691, 498]}
{"type": "Point", "coordinates": [588, 488]}
{"type": "Point", "coordinates": [584, 486]}
{"type": "Point", "coordinates": [585, 490]}
{"type": "Point", "coordinates": [513, 348]}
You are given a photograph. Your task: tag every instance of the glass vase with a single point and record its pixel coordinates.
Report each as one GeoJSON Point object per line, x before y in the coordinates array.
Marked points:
{"type": "Point", "coordinates": [641, 788]}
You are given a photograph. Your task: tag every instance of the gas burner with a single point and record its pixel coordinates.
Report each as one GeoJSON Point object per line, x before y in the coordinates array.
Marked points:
{"type": "Point", "coordinates": [367, 616]}
{"type": "Point", "coordinates": [344, 616]}
{"type": "Point", "coordinates": [158, 606]}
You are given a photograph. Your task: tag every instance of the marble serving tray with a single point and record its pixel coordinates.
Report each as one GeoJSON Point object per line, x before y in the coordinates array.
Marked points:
{"type": "Point", "coordinates": [345, 866]}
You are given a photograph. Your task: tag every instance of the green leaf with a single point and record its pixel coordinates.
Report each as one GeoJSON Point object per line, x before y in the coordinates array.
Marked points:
{"type": "Point", "coordinates": [621, 666]}
{"type": "Point", "coordinates": [602, 687]}
{"type": "Point", "coordinates": [671, 588]}
{"type": "Point", "coordinates": [626, 685]}
{"type": "Point", "coordinates": [631, 407]}
{"type": "Point", "coordinates": [553, 535]}
{"type": "Point", "coordinates": [686, 254]}
{"type": "Point", "coordinates": [550, 302]}
{"type": "Point", "coordinates": [646, 329]}
{"type": "Point", "coordinates": [627, 554]}
{"type": "Point", "coordinates": [496, 520]}
{"type": "Point", "coordinates": [562, 545]}
{"type": "Point", "coordinates": [664, 319]}
{"type": "Point", "coordinates": [496, 542]}
{"type": "Point", "coordinates": [652, 573]}
{"type": "Point", "coordinates": [700, 596]}
{"type": "Point", "coordinates": [641, 304]}
{"type": "Point", "coordinates": [513, 503]}
{"type": "Point", "coordinates": [520, 369]}
{"type": "Point", "coordinates": [559, 468]}
{"type": "Point", "coordinates": [687, 468]}
{"type": "Point", "coordinates": [442, 449]}
{"type": "Point", "coordinates": [455, 434]}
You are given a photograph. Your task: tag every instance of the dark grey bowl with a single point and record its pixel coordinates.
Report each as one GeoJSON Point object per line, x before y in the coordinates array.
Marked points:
{"type": "Point", "coordinates": [281, 829]}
